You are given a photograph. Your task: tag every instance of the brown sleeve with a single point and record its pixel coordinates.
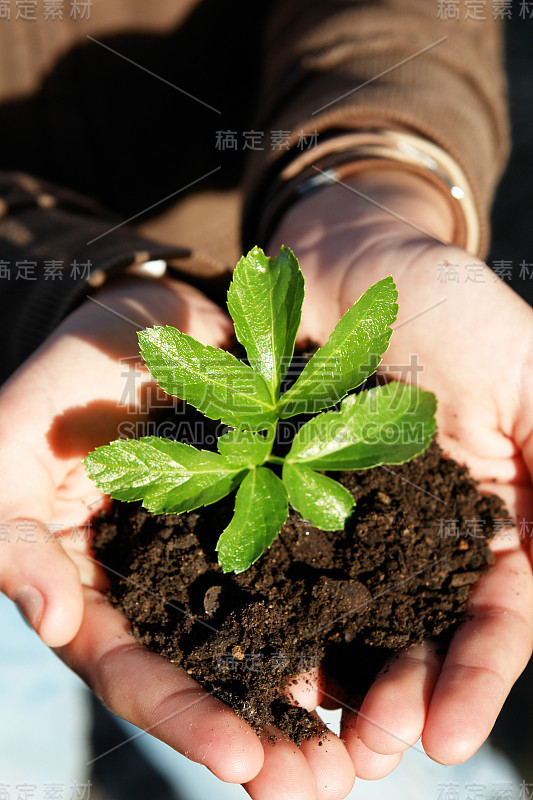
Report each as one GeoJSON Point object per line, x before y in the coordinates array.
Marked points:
{"type": "Point", "coordinates": [332, 65]}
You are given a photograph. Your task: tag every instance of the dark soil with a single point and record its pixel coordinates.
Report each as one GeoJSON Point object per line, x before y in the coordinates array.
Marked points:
{"type": "Point", "coordinates": [401, 571]}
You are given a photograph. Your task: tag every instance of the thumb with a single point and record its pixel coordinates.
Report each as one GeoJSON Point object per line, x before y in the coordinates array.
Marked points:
{"type": "Point", "coordinates": [38, 575]}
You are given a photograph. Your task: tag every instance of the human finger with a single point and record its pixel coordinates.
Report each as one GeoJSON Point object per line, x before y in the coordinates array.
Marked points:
{"type": "Point", "coordinates": [485, 657]}
{"type": "Point", "coordinates": [331, 765]}
{"type": "Point", "coordinates": [38, 575]}
{"type": "Point", "coordinates": [392, 716]}
{"type": "Point", "coordinates": [157, 696]}
{"type": "Point", "coordinates": [368, 765]}
{"type": "Point", "coordinates": [285, 775]}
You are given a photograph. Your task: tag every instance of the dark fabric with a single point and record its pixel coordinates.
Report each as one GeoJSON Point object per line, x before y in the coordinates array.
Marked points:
{"type": "Point", "coordinates": [51, 241]}
{"type": "Point", "coordinates": [406, 64]}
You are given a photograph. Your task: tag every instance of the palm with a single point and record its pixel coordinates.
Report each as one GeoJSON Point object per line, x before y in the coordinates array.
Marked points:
{"type": "Point", "coordinates": [78, 379]}
{"type": "Point", "coordinates": [472, 340]}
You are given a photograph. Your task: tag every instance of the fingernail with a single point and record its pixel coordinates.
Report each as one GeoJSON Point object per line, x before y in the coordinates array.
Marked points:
{"type": "Point", "coordinates": [31, 603]}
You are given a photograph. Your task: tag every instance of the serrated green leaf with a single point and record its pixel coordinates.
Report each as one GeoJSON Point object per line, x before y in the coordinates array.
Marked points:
{"type": "Point", "coordinates": [214, 381]}
{"type": "Point", "coordinates": [212, 477]}
{"type": "Point", "coordinates": [321, 500]}
{"type": "Point", "coordinates": [169, 477]}
{"type": "Point", "coordinates": [129, 469]}
{"type": "Point", "coordinates": [245, 447]}
{"type": "Point", "coordinates": [389, 424]}
{"type": "Point", "coordinates": [351, 354]}
{"type": "Point", "coordinates": [260, 510]}
{"type": "Point", "coordinates": [265, 302]}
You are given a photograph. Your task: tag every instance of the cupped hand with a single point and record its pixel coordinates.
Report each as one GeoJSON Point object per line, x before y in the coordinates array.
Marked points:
{"type": "Point", "coordinates": [82, 388]}
{"type": "Point", "coordinates": [465, 335]}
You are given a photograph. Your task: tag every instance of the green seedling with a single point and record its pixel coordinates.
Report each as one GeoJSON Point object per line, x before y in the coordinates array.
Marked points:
{"type": "Point", "coordinates": [387, 424]}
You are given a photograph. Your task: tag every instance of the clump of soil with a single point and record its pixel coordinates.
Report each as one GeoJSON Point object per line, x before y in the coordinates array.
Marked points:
{"type": "Point", "coordinates": [401, 571]}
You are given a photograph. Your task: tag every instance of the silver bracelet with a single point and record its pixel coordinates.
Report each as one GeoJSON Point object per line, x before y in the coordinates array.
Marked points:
{"type": "Point", "coordinates": [144, 269]}
{"type": "Point", "coordinates": [347, 154]}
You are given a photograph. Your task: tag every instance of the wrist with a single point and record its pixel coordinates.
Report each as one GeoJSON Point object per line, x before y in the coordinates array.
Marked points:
{"type": "Point", "coordinates": [389, 199]}
{"type": "Point", "coordinates": [339, 231]}
{"type": "Point", "coordinates": [402, 201]}
{"type": "Point", "coordinates": [345, 242]}
{"type": "Point", "coordinates": [128, 304]}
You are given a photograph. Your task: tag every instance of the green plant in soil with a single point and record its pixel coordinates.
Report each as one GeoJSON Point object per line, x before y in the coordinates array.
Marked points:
{"type": "Point", "coordinates": [387, 424]}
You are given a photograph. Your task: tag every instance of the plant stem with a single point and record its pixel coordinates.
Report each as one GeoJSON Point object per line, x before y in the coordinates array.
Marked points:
{"type": "Point", "coordinates": [275, 460]}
